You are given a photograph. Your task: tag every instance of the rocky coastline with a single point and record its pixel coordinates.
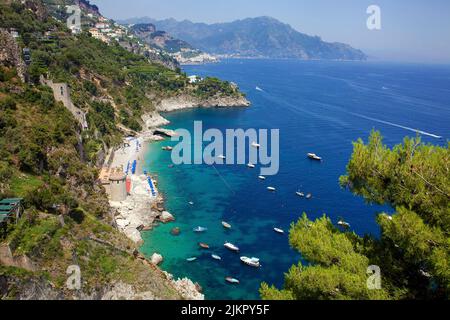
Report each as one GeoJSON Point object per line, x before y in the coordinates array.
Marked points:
{"type": "Point", "coordinates": [182, 102]}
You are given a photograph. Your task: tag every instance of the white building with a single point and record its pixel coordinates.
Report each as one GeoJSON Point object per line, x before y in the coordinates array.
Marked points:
{"type": "Point", "coordinates": [194, 79]}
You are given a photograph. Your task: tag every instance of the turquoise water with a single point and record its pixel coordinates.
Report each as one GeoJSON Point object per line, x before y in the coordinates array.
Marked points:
{"type": "Point", "coordinates": [319, 107]}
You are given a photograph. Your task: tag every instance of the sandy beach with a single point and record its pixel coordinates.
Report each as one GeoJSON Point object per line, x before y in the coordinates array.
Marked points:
{"type": "Point", "coordinates": [137, 212]}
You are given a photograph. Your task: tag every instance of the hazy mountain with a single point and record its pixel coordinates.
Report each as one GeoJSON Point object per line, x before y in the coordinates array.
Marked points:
{"type": "Point", "coordinates": [254, 37]}
{"type": "Point", "coordinates": [159, 39]}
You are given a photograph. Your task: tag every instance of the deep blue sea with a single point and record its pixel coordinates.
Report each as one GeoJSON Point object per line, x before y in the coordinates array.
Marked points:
{"type": "Point", "coordinates": [319, 107]}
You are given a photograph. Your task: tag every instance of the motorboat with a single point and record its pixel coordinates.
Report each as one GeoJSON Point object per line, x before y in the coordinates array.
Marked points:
{"type": "Point", "coordinates": [231, 247]}
{"type": "Point", "coordinates": [222, 157]}
{"type": "Point", "coordinates": [262, 178]}
{"type": "Point", "coordinates": [272, 189]}
{"type": "Point", "coordinates": [200, 229]}
{"type": "Point", "coordinates": [191, 203]}
{"type": "Point", "coordinates": [252, 262]}
{"type": "Point", "coordinates": [278, 230]}
{"type": "Point", "coordinates": [216, 257]}
{"type": "Point", "coordinates": [314, 156]}
{"type": "Point", "coordinates": [251, 166]}
{"type": "Point", "coordinates": [343, 224]}
{"type": "Point", "coordinates": [226, 225]}
{"type": "Point", "coordinates": [256, 145]}
{"type": "Point", "coordinates": [300, 194]}
{"type": "Point", "coordinates": [191, 259]}
{"type": "Point", "coordinates": [309, 196]}
{"type": "Point", "coordinates": [232, 280]}
{"type": "Point", "coordinates": [203, 245]}
{"type": "Point", "coordinates": [167, 148]}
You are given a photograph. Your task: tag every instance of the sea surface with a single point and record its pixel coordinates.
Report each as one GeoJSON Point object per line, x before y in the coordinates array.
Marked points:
{"type": "Point", "coordinates": [319, 107]}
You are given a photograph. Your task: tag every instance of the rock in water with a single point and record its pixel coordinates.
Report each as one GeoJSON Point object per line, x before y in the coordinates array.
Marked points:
{"type": "Point", "coordinates": [166, 217]}
{"type": "Point", "coordinates": [157, 259]}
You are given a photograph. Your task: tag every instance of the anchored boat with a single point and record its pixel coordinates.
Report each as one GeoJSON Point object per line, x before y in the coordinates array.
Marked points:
{"type": "Point", "coordinates": [231, 247]}
{"type": "Point", "coordinates": [314, 156]}
{"type": "Point", "coordinates": [203, 245]}
{"type": "Point", "coordinates": [200, 229]}
{"type": "Point", "coordinates": [252, 262]}
{"type": "Point", "coordinates": [278, 230]}
{"type": "Point", "coordinates": [256, 145]}
{"type": "Point", "coordinates": [300, 194]}
{"type": "Point", "coordinates": [262, 178]}
{"type": "Point", "coordinates": [191, 259]}
{"type": "Point", "coordinates": [226, 225]}
{"type": "Point", "coordinates": [232, 280]}
{"type": "Point", "coordinates": [251, 166]}
{"type": "Point", "coordinates": [272, 189]}
{"type": "Point", "coordinates": [343, 224]}
{"type": "Point", "coordinates": [216, 257]}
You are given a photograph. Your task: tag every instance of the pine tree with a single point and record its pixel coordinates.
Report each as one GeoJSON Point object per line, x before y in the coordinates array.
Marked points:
{"type": "Point", "coordinates": [413, 251]}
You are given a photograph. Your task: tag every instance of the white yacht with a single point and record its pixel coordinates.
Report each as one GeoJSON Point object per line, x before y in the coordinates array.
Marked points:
{"type": "Point", "coordinates": [231, 247]}
{"type": "Point", "coordinates": [252, 262]}
{"type": "Point", "coordinates": [314, 156]}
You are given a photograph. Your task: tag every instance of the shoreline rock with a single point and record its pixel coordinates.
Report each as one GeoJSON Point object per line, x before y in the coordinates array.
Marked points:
{"type": "Point", "coordinates": [182, 102]}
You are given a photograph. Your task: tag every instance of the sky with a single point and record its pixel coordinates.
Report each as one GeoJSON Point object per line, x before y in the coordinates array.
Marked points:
{"type": "Point", "coordinates": [411, 30]}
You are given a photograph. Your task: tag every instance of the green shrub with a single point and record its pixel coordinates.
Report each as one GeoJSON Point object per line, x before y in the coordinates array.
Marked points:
{"type": "Point", "coordinates": [7, 104]}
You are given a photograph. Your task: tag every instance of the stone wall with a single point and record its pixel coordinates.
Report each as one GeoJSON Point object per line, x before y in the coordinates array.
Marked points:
{"type": "Point", "coordinates": [61, 92]}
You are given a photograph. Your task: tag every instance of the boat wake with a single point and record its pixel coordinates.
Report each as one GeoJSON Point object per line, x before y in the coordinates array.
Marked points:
{"type": "Point", "coordinates": [397, 125]}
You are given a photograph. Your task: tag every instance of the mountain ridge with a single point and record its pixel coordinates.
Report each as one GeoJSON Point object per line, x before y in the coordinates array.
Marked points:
{"type": "Point", "coordinates": [260, 37]}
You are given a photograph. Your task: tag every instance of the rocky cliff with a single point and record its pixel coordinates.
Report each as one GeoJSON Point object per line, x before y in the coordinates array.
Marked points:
{"type": "Point", "coordinates": [11, 54]}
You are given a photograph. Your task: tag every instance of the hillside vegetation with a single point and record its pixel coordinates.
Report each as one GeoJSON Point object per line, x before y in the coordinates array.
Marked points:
{"type": "Point", "coordinates": [50, 162]}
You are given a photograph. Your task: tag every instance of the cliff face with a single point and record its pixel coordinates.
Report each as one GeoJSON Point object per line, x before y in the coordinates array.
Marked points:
{"type": "Point", "coordinates": [11, 54]}
{"type": "Point", "coordinates": [181, 102]}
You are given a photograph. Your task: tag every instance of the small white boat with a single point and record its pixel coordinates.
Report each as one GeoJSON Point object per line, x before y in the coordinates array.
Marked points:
{"type": "Point", "coordinates": [251, 166]}
{"type": "Point", "coordinates": [343, 224]}
{"type": "Point", "coordinates": [226, 225]}
{"type": "Point", "coordinates": [167, 148]}
{"type": "Point", "coordinates": [300, 194]}
{"type": "Point", "coordinates": [278, 230]}
{"type": "Point", "coordinates": [222, 157]}
{"type": "Point", "coordinates": [262, 178]}
{"type": "Point", "coordinates": [232, 280]}
{"type": "Point", "coordinates": [252, 262]}
{"type": "Point", "coordinates": [272, 189]}
{"type": "Point", "coordinates": [216, 257]}
{"type": "Point", "coordinates": [191, 259]}
{"type": "Point", "coordinates": [309, 196]}
{"type": "Point", "coordinates": [191, 203]}
{"type": "Point", "coordinates": [314, 156]}
{"type": "Point", "coordinates": [231, 247]}
{"type": "Point", "coordinates": [200, 229]}
{"type": "Point", "coordinates": [256, 145]}
{"type": "Point", "coordinates": [259, 89]}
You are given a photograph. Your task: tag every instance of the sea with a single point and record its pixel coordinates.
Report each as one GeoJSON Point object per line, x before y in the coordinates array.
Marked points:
{"type": "Point", "coordinates": [320, 107]}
